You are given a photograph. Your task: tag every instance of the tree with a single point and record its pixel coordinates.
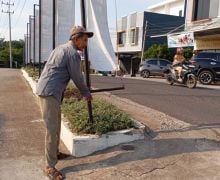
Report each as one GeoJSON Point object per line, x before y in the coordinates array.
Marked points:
{"type": "Point", "coordinates": [159, 51]}
{"type": "Point", "coordinates": [188, 52]}
{"type": "Point", "coordinates": [162, 51]}
{"type": "Point", "coordinates": [17, 51]}
{"type": "Point", "coordinates": [4, 54]}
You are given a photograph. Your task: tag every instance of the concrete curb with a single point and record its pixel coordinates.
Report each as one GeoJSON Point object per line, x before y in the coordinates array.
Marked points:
{"type": "Point", "coordinates": [83, 145]}
{"type": "Point", "coordinates": [29, 79]}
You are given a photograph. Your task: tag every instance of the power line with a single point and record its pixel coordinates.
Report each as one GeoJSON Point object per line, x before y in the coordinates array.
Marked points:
{"type": "Point", "coordinates": [20, 14]}
{"type": "Point", "coordinates": [3, 25]}
{"type": "Point", "coordinates": [2, 32]}
{"type": "Point", "coordinates": [1, 13]}
{"type": "Point", "coordinates": [17, 5]}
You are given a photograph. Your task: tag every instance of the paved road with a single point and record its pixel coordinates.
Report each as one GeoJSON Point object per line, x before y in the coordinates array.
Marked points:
{"type": "Point", "coordinates": [196, 106]}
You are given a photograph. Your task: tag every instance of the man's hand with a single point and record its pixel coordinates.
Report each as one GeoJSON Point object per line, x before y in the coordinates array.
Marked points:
{"type": "Point", "coordinates": [88, 98]}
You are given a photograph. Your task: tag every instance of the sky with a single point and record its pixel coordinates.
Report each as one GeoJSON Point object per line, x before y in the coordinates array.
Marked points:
{"type": "Point", "coordinates": [23, 8]}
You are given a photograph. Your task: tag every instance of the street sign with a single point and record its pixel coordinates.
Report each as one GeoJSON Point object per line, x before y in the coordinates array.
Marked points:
{"type": "Point", "coordinates": [185, 39]}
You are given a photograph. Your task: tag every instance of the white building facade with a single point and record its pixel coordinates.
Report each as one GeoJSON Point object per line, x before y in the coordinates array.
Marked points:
{"type": "Point", "coordinates": [171, 7]}
{"type": "Point", "coordinates": [130, 32]}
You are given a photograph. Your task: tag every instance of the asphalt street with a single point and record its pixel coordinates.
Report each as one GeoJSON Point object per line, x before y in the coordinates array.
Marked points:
{"type": "Point", "coordinates": [195, 106]}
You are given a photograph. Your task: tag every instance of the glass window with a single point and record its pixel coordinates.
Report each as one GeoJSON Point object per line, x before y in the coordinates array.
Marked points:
{"type": "Point", "coordinates": [201, 9]}
{"type": "Point", "coordinates": [121, 38]}
{"type": "Point", "coordinates": [164, 63]}
{"type": "Point", "coordinates": [152, 62]}
{"type": "Point", "coordinates": [206, 55]}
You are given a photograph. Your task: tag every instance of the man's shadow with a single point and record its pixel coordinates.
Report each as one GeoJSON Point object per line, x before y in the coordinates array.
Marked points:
{"type": "Point", "coordinates": [151, 148]}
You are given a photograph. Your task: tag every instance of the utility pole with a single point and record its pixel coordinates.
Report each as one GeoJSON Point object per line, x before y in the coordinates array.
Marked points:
{"type": "Point", "coordinates": [116, 27]}
{"type": "Point", "coordinates": [9, 16]}
{"type": "Point", "coordinates": [28, 46]}
{"type": "Point", "coordinates": [34, 45]}
{"type": "Point", "coordinates": [25, 51]}
{"type": "Point", "coordinates": [54, 24]}
{"type": "Point", "coordinates": [89, 103]}
{"type": "Point", "coordinates": [40, 18]}
{"type": "Point", "coordinates": [30, 38]}
{"type": "Point", "coordinates": [143, 43]}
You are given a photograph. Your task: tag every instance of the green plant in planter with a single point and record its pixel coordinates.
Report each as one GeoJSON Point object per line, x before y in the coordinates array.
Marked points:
{"type": "Point", "coordinates": [31, 72]}
{"type": "Point", "coordinates": [105, 115]}
{"type": "Point", "coordinates": [72, 91]}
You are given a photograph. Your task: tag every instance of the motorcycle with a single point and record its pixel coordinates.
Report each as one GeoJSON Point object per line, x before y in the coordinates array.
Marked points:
{"type": "Point", "coordinates": [188, 75]}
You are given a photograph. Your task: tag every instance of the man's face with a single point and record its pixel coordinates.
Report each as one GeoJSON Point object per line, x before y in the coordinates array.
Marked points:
{"type": "Point", "coordinates": [81, 42]}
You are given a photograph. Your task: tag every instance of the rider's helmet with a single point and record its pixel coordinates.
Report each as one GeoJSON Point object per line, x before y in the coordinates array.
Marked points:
{"type": "Point", "coordinates": [179, 51]}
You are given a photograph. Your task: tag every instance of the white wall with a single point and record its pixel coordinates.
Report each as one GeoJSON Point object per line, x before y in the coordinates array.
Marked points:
{"type": "Point", "coordinates": [174, 9]}
{"type": "Point", "coordinates": [65, 20]}
{"type": "Point", "coordinates": [46, 30]}
{"type": "Point", "coordinates": [189, 13]}
{"type": "Point", "coordinates": [171, 7]}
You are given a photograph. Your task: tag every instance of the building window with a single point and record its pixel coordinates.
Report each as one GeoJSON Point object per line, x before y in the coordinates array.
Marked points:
{"type": "Point", "coordinates": [134, 36]}
{"type": "Point", "coordinates": [180, 13]}
{"type": "Point", "coordinates": [121, 38]}
{"type": "Point", "coordinates": [201, 9]}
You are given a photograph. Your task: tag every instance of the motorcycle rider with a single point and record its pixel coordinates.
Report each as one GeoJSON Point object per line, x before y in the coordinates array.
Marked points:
{"type": "Point", "coordinates": [177, 62]}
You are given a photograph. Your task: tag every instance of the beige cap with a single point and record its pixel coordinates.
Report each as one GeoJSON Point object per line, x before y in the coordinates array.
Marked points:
{"type": "Point", "coordinates": [80, 30]}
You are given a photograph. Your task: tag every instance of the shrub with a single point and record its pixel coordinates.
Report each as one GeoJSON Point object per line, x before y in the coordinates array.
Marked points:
{"type": "Point", "coordinates": [106, 117]}
{"type": "Point", "coordinates": [187, 52]}
{"type": "Point", "coordinates": [31, 72]}
{"type": "Point", "coordinates": [159, 51]}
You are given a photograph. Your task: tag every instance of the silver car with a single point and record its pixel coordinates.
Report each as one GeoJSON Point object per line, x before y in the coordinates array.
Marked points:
{"type": "Point", "coordinates": [153, 67]}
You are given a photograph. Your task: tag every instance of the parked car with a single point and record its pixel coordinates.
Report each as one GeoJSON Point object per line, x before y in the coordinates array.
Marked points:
{"type": "Point", "coordinates": [209, 66]}
{"type": "Point", "coordinates": [153, 67]}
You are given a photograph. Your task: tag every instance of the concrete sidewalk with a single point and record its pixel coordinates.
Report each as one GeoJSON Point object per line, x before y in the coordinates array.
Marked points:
{"type": "Point", "coordinates": [172, 149]}
{"type": "Point", "coordinates": [21, 129]}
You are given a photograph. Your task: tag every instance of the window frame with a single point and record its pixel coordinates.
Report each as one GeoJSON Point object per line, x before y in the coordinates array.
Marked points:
{"type": "Point", "coordinates": [134, 35]}
{"type": "Point", "coordinates": [120, 39]}
{"type": "Point", "coordinates": [196, 9]}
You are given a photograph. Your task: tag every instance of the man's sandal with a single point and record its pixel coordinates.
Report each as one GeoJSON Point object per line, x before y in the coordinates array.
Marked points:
{"type": "Point", "coordinates": [53, 174]}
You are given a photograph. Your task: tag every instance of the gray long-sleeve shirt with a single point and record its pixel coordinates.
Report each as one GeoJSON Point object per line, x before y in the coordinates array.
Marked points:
{"type": "Point", "coordinates": [62, 65]}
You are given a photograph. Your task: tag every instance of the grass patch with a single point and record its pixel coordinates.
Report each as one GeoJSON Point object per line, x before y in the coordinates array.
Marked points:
{"type": "Point", "coordinates": [31, 72]}
{"type": "Point", "coordinates": [106, 116]}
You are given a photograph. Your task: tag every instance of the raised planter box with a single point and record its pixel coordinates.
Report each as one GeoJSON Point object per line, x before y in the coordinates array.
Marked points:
{"type": "Point", "coordinates": [83, 145]}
